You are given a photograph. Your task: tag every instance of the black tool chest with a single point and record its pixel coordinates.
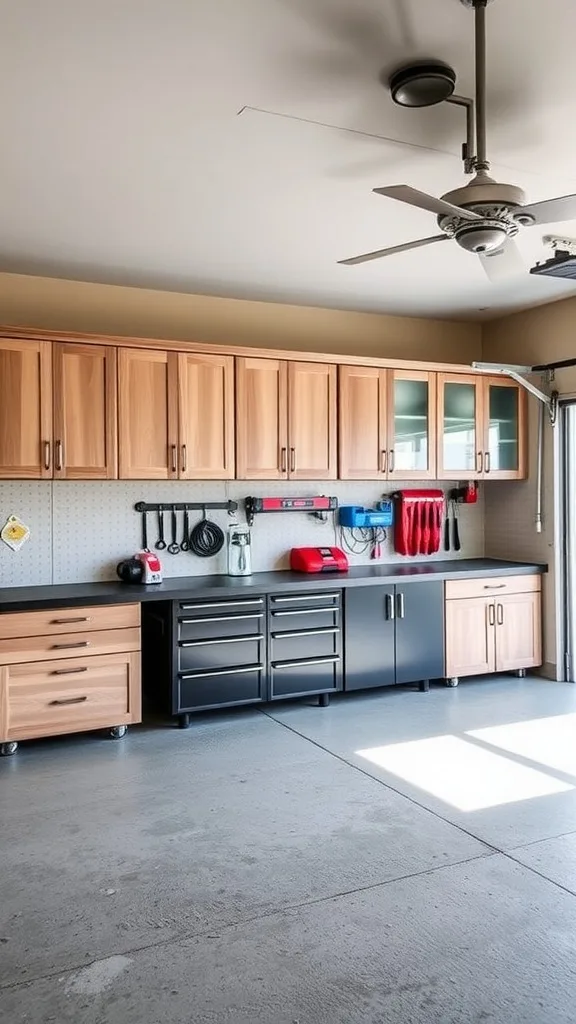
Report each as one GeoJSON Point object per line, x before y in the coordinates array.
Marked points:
{"type": "Point", "coordinates": [203, 654]}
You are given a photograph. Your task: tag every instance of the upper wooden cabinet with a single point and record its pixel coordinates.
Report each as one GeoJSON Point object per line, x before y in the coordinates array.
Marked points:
{"type": "Point", "coordinates": [481, 428]}
{"type": "Point", "coordinates": [176, 416]}
{"type": "Point", "coordinates": [286, 420]}
{"type": "Point", "coordinates": [387, 424]}
{"type": "Point", "coordinates": [85, 419]}
{"type": "Point", "coordinates": [25, 409]}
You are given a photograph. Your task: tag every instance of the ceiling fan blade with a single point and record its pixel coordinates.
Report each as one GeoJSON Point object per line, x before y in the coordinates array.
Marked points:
{"type": "Point", "coordinates": [412, 196]}
{"type": "Point", "coordinates": [503, 264]}
{"type": "Point", "coordinates": [392, 250]}
{"type": "Point", "coordinates": [550, 211]}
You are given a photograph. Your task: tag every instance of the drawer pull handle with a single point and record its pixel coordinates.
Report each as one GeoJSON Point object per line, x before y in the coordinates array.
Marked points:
{"type": "Point", "coordinates": [67, 671]}
{"type": "Point", "coordinates": [226, 640]}
{"type": "Point", "coordinates": [68, 647]}
{"type": "Point", "coordinates": [494, 586]}
{"type": "Point", "coordinates": [64, 622]}
{"type": "Point", "coordinates": [306, 597]}
{"type": "Point", "coordinates": [221, 618]}
{"type": "Point", "coordinates": [304, 664]}
{"type": "Point", "coordinates": [221, 604]}
{"type": "Point", "coordinates": [305, 632]}
{"type": "Point", "coordinates": [68, 700]}
{"type": "Point", "coordinates": [222, 672]}
{"type": "Point", "coordinates": [307, 611]}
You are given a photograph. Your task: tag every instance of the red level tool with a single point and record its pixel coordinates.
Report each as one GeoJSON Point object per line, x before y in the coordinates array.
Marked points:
{"type": "Point", "coordinates": [318, 503]}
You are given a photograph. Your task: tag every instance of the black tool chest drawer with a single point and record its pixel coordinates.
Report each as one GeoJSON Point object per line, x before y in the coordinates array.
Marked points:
{"type": "Point", "coordinates": [305, 644]}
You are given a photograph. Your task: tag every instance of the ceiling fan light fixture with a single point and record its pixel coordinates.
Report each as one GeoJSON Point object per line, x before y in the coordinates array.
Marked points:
{"type": "Point", "coordinates": [422, 83]}
{"type": "Point", "coordinates": [481, 240]}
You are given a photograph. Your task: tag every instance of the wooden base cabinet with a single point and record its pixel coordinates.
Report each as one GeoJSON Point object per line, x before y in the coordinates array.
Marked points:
{"type": "Point", "coordinates": [493, 625]}
{"type": "Point", "coordinates": [54, 681]}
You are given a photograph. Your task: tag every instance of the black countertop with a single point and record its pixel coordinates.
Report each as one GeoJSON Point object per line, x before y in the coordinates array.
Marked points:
{"type": "Point", "coordinates": [65, 595]}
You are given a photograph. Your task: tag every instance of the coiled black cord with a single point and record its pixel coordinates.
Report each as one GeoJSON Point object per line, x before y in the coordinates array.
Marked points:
{"type": "Point", "coordinates": [206, 539]}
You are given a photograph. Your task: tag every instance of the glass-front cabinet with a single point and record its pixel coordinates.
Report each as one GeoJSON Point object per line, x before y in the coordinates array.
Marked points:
{"type": "Point", "coordinates": [411, 425]}
{"type": "Point", "coordinates": [481, 428]}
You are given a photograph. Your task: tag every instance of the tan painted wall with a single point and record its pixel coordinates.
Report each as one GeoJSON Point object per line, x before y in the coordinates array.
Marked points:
{"type": "Point", "coordinates": [108, 309]}
{"type": "Point", "coordinates": [539, 335]}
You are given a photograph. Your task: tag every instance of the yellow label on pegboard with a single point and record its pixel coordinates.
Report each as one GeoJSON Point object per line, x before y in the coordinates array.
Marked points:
{"type": "Point", "coordinates": [15, 533]}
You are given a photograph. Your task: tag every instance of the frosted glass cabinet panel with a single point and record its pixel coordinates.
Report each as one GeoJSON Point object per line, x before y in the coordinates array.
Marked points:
{"type": "Point", "coordinates": [460, 426]}
{"type": "Point", "coordinates": [411, 425]}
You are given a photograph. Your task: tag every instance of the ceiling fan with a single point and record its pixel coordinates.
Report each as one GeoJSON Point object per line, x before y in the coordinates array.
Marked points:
{"type": "Point", "coordinates": [483, 216]}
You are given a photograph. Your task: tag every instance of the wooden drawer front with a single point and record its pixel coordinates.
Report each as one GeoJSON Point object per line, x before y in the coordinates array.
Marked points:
{"type": "Point", "coordinates": [68, 645]}
{"type": "Point", "coordinates": [69, 620]}
{"type": "Point", "coordinates": [492, 586]}
{"type": "Point", "coordinates": [46, 699]}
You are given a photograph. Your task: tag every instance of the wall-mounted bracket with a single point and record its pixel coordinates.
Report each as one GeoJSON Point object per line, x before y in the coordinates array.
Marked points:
{"type": "Point", "coordinates": [517, 373]}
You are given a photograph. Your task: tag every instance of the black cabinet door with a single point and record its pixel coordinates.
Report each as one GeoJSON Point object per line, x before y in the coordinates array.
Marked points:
{"type": "Point", "coordinates": [369, 648]}
{"type": "Point", "coordinates": [419, 631]}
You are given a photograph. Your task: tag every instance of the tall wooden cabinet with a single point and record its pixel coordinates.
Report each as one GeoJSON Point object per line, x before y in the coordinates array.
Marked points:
{"type": "Point", "coordinates": [176, 415]}
{"type": "Point", "coordinates": [387, 424]}
{"type": "Point", "coordinates": [25, 409]}
{"type": "Point", "coordinates": [286, 420]}
{"type": "Point", "coordinates": [481, 428]}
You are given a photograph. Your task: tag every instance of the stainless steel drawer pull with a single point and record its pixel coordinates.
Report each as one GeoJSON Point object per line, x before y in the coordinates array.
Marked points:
{"type": "Point", "coordinates": [305, 597]}
{"type": "Point", "coordinates": [67, 647]}
{"type": "Point", "coordinates": [305, 632]}
{"type": "Point", "coordinates": [67, 671]}
{"type": "Point", "coordinates": [223, 672]}
{"type": "Point", "coordinates": [227, 640]}
{"type": "Point", "coordinates": [68, 700]}
{"type": "Point", "coordinates": [222, 604]}
{"type": "Point", "coordinates": [222, 618]}
{"type": "Point", "coordinates": [306, 611]}
{"type": "Point", "coordinates": [65, 622]}
{"type": "Point", "coordinates": [495, 586]}
{"type": "Point", "coordinates": [304, 664]}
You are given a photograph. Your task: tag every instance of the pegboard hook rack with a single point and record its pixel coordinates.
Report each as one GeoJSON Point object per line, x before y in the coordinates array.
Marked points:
{"type": "Point", "coordinates": [186, 506]}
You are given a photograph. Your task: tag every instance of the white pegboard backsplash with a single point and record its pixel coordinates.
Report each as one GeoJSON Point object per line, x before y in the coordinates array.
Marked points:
{"type": "Point", "coordinates": [80, 530]}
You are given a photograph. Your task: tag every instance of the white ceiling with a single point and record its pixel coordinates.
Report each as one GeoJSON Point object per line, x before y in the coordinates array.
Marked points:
{"type": "Point", "coordinates": [230, 146]}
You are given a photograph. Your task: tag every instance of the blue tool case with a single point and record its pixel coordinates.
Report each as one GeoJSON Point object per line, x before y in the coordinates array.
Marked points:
{"type": "Point", "coordinates": [355, 516]}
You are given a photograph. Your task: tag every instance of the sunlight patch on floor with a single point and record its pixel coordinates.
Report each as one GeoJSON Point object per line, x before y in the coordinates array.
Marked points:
{"type": "Point", "coordinates": [549, 741]}
{"type": "Point", "coordinates": [462, 774]}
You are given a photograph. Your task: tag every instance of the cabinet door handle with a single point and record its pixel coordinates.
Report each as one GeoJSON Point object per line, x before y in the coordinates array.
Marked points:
{"type": "Point", "coordinates": [67, 671]}
{"type": "Point", "coordinates": [222, 672]}
{"type": "Point", "coordinates": [46, 454]}
{"type": "Point", "coordinates": [500, 615]}
{"type": "Point", "coordinates": [220, 618]}
{"type": "Point", "coordinates": [390, 611]}
{"type": "Point", "coordinates": [491, 618]}
{"type": "Point", "coordinates": [480, 462]}
{"type": "Point", "coordinates": [283, 460]}
{"type": "Point", "coordinates": [59, 455]}
{"type": "Point", "coordinates": [226, 640]}
{"type": "Point", "coordinates": [305, 632]}
{"type": "Point", "coordinates": [216, 604]}
{"type": "Point", "coordinates": [184, 460]}
{"type": "Point", "coordinates": [391, 460]}
{"type": "Point", "coordinates": [494, 586]}
{"type": "Point", "coordinates": [68, 700]}
{"type": "Point", "coordinates": [306, 597]}
{"type": "Point", "coordinates": [401, 606]}
{"type": "Point", "coordinates": [383, 459]}
{"type": "Point", "coordinates": [487, 462]}
{"type": "Point", "coordinates": [68, 647]}
{"type": "Point", "coordinates": [292, 460]}
{"type": "Point", "coordinates": [304, 664]}
{"type": "Point", "coordinates": [174, 463]}
{"type": "Point", "coordinates": [65, 622]}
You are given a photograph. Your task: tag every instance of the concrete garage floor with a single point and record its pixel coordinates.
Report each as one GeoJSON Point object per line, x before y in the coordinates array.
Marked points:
{"type": "Point", "coordinates": [368, 863]}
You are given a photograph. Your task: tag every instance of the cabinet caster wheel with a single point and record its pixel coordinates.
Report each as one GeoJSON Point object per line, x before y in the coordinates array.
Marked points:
{"type": "Point", "coordinates": [453, 681]}
{"type": "Point", "coordinates": [7, 749]}
{"type": "Point", "coordinates": [323, 700]}
{"type": "Point", "coordinates": [521, 673]}
{"type": "Point", "coordinates": [117, 732]}
{"type": "Point", "coordinates": [183, 721]}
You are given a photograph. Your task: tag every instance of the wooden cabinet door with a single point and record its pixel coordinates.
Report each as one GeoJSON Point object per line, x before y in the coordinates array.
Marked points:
{"type": "Point", "coordinates": [312, 421]}
{"type": "Point", "coordinates": [261, 419]}
{"type": "Point", "coordinates": [147, 414]}
{"type": "Point", "coordinates": [505, 429]}
{"type": "Point", "coordinates": [25, 409]}
{"type": "Point", "coordinates": [470, 636]}
{"type": "Point", "coordinates": [460, 426]}
{"type": "Point", "coordinates": [362, 422]}
{"type": "Point", "coordinates": [411, 425]}
{"type": "Point", "coordinates": [206, 417]}
{"type": "Point", "coordinates": [85, 419]}
{"type": "Point", "coordinates": [518, 631]}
